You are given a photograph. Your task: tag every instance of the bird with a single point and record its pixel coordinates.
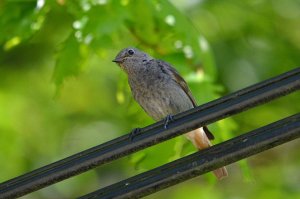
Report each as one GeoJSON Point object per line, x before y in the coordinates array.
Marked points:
{"type": "Point", "coordinates": [162, 92]}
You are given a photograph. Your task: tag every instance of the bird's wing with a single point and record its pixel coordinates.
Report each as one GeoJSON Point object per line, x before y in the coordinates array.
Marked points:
{"type": "Point", "coordinates": [167, 68]}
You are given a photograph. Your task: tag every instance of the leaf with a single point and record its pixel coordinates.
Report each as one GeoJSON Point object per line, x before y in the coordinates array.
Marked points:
{"type": "Point", "coordinates": [70, 60]}
{"type": "Point", "coordinates": [19, 20]}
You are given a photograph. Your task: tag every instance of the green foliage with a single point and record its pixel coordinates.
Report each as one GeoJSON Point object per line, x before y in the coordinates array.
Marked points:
{"type": "Point", "coordinates": [65, 66]}
{"type": "Point", "coordinates": [64, 48]}
{"type": "Point", "coordinates": [20, 21]}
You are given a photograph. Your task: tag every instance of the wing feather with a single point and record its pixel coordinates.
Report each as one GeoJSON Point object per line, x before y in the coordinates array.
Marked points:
{"type": "Point", "coordinates": [167, 68]}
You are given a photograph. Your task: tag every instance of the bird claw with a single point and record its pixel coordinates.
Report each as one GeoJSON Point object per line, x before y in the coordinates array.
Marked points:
{"type": "Point", "coordinates": [168, 119]}
{"type": "Point", "coordinates": [134, 132]}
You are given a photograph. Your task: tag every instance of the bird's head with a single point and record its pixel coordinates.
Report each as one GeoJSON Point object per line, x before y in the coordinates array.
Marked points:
{"type": "Point", "coordinates": [131, 58]}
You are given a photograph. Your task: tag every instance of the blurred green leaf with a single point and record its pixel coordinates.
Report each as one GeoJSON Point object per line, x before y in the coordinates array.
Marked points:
{"type": "Point", "coordinates": [70, 59]}
{"type": "Point", "coordinates": [19, 19]}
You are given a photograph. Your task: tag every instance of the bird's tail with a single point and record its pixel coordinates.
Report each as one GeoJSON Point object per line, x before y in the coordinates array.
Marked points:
{"type": "Point", "coordinates": [200, 140]}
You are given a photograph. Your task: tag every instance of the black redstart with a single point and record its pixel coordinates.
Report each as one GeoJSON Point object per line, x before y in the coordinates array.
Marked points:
{"type": "Point", "coordinates": [162, 92]}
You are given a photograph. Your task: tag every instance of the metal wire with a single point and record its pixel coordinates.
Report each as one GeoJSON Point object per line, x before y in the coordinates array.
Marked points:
{"type": "Point", "coordinates": [203, 161]}
{"type": "Point", "coordinates": [218, 109]}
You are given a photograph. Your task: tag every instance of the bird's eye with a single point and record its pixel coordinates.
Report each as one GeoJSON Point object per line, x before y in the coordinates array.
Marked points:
{"type": "Point", "coordinates": [130, 52]}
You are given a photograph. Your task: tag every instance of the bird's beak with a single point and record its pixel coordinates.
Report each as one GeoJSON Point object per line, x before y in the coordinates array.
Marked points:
{"type": "Point", "coordinates": [117, 60]}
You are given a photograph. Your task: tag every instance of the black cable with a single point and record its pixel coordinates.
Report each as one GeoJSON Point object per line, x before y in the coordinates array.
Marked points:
{"type": "Point", "coordinates": [203, 161]}
{"type": "Point", "coordinates": [208, 113]}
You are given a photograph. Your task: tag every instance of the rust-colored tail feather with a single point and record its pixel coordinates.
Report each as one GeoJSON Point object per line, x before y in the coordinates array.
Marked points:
{"type": "Point", "coordinates": [201, 141]}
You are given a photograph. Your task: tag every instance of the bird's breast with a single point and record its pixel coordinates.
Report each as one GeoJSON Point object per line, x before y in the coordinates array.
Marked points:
{"type": "Point", "coordinates": [159, 96]}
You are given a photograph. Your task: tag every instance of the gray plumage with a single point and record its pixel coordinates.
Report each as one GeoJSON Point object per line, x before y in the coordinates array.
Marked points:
{"type": "Point", "coordinates": [161, 91]}
{"type": "Point", "coordinates": [157, 92]}
{"type": "Point", "coordinates": [156, 85]}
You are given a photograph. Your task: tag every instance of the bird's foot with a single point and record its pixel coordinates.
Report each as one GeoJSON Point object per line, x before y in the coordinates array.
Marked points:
{"type": "Point", "coordinates": [168, 119]}
{"type": "Point", "coordinates": [134, 132]}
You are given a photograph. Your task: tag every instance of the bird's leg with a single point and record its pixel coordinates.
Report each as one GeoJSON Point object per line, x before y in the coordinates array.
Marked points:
{"type": "Point", "coordinates": [168, 119]}
{"type": "Point", "coordinates": [134, 132]}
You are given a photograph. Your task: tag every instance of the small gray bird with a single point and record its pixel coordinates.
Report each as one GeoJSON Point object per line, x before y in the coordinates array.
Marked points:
{"type": "Point", "coordinates": [162, 92]}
